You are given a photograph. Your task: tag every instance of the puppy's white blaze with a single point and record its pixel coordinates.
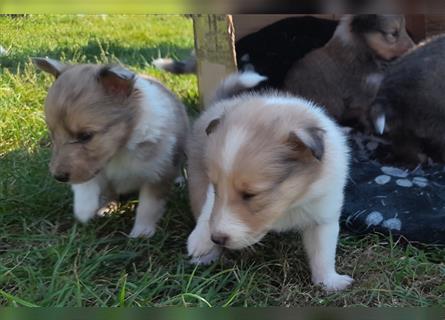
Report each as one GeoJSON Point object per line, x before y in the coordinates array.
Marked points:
{"type": "Point", "coordinates": [228, 223]}
{"type": "Point", "coordinates": [235, 139]}
{"type": "Point", "coordinates": [380, 124]}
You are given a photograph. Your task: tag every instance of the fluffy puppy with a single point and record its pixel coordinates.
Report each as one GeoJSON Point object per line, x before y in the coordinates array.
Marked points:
{"type": "Point", "coordinates": [113, 132]}
{"type": "Point", "coordinates": [259, 163]}
{"type": "Point", "coordinates": [344, 75]}
{"type": "Point", "coordinates": [411, 102]}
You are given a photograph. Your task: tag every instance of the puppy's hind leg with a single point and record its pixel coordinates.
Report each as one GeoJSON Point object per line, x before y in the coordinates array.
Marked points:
{"type": "Point", "coordinates": [320, 242]}
{"type": "Point", "coordinates": [149, 211]}
{"type": "Point", "coordinates": [200, 247]}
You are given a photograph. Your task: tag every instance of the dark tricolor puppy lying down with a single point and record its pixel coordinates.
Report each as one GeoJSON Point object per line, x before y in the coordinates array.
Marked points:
{"type": "Point", "coordinates": [410, 106]}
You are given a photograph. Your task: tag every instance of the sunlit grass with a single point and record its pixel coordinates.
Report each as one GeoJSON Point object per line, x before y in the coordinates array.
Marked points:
{"type": "Point", "coordinates": [47, 259]}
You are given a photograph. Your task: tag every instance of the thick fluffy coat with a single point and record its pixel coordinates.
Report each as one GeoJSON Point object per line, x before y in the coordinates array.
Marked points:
{"type": "Point", "coordinates": [260, 163]}
{"type": "Point", "coordinates": [344, 76]}
{"type": "Point", "coordinates": [113, 132]}
{"type": "Point", "coordinates": [412, 101]}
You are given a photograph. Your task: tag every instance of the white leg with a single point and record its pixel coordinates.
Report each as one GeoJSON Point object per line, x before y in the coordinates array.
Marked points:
{"type": "Point", "coordinates": [148, 213]}
{"type": "Point", "coordinates": [86, 199]}
{"type": "Point", "coordinates": [320, 242]}
{"type": "Point", "coordinates": [199, 245]}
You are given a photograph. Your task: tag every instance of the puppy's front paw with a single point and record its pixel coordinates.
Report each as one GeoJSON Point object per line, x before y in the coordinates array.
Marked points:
{"type": "Point", "coordinates": [85, 214]}
{"type": "Point", "coordinates": [201, 248]}
{"type": "Point", "coordinates": [208, 258]}
{"type": "Point", "coordinates": [142, 231]}
{"type": "Point", "coordinates": [335, 282]}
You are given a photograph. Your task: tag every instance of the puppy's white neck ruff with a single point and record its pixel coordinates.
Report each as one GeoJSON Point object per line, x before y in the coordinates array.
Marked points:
{"type": "Point", "coordinates": [152, 114]}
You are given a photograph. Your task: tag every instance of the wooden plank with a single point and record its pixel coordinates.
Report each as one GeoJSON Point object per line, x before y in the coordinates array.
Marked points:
{"type": "Point", "coordinates": [215, 51]}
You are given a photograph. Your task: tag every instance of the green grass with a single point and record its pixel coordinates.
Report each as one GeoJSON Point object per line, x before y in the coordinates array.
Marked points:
{"type": "Point", "coordinates": [47, 259]}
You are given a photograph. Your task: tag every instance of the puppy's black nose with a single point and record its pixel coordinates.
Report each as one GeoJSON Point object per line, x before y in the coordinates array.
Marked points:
{"type": "Point", "coordinates": [62, 177]}
{"type": "Point", "coordinates": [219, 239]}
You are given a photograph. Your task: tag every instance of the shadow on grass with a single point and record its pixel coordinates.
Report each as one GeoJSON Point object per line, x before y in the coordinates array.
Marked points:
{"type": "Point", "coordinates": [97, 52]}
{"type": "Point", "coordinates": [26, 186]}
{"type": "Point", "coordinates": [28, 191]}
{"type": "Point", "coordinates": [44, 254]}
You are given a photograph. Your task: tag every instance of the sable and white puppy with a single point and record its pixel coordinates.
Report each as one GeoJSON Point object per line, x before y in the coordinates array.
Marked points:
{"type": "Point", "coordinates": [113, 132]}
{"type": "Point", "coordinates": [267, 162]}
{"type": "Point", "coordinates": [344, 75]}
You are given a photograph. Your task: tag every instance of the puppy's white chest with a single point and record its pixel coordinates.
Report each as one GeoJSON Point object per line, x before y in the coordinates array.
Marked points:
{"type": "Point", "coordinates": [294, 218]}
{"type": "Point", "coordinates": [126, 172]}
{"type": "Point", "coordinates": [302, 215]}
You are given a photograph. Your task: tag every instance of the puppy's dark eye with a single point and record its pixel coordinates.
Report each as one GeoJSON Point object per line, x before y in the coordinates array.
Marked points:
{"type": "Point", "coordinates": [84, 137]}
{"type": "Point", "coordinates": [215, 188]}
{"type": "Point", "coordinates": [392, 36]}
{"type": "Point", "coordinates": [247, 196]}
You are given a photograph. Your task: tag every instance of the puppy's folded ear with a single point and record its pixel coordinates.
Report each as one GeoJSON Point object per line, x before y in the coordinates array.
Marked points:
{"type": "Point", "coordinates": [51, 66]}
{"type": "Point", "coordinates": [212, 126]}
{"type": "Point", "coordinates": [310, 139]}
{"type": "Point", "coordinates": [117, 80]}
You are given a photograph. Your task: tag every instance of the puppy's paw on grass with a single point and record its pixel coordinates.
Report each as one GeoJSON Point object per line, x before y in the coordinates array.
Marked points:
{"type": "Point", "coordinates": [208, 258]}
{"type": "Point", "coordinates": [84, 215]}
{"type": "Point", "coordinates": [142, 231]}
{"type": "Point", "coordinates": [200, 248]}
{"type": "Point", "coordinates": [335, 282]}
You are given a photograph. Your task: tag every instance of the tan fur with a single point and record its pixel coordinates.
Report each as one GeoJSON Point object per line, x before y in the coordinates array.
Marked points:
{"type": "Point", "coordinates": [267, 166]}
{"type": "Point", "coordinates": [74, 106]}
{"type": "Point", "coordinates": [267, 162]}
{"type": "Point", "coordinates": [336, 75]}
{"type": "Point", "coordinates": [388, 47]}
{"type": "Point", "coordinates": [114, 132]}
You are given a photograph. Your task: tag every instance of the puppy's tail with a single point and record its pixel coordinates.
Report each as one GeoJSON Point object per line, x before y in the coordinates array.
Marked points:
{"type": "Point", "coordinates": [377, 114]}
{"type": "Point", "coordinates": [237, 83]}
{"type": "Point", "coordinates": [177, 67]}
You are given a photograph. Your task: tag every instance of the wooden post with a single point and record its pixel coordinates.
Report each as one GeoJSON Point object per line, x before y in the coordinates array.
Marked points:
{"type": "Point", "coordinates": [215, 51]}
